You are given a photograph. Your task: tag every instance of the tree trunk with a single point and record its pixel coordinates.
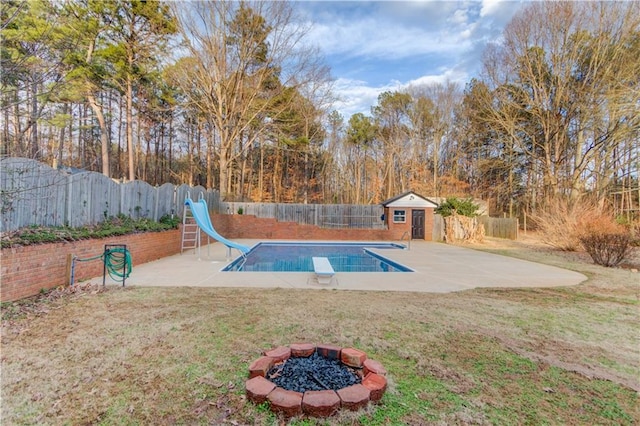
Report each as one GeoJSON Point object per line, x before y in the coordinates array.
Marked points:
{"type": "Point", "coordinates": [57, 156]}
{"type": "Point", "coordinates": [261, 173]}
{"type": "Point", "coordinates": [18, 151]}
{"type": "Point", "coordinates": [170, 163]}
{"type": "Point", "coordinates": [104, 140]}
{"type": "Point", "coordinates": [210, 137]}
{"type": "Point", "coordinates": [33, 121]}
{"type": "Point", "coordinates": [132, 172]}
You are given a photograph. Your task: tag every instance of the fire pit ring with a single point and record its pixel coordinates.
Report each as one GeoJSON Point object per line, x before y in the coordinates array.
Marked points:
{"type": "Point", "coordinates": [316, 403]}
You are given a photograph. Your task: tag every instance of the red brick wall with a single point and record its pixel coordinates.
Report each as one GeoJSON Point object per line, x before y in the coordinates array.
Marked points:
{"type": "Point", "coordinates": [27, 270]}
{"type": "Point", "coordinates": [401, 228]}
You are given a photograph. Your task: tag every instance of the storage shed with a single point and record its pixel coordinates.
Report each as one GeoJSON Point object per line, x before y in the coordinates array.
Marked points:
{"type": "Point", "coordinates": [411, 213]}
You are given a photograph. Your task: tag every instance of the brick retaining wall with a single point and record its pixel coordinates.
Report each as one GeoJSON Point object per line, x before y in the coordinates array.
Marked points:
{"type": "Point", "coordinates": [26, 270]}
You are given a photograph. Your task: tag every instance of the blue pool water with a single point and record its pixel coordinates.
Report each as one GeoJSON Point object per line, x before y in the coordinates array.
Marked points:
{"type": "Point", "coordinates": [296, 257]}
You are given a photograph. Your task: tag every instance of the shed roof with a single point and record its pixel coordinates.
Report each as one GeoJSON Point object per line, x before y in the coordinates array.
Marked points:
{"type": "Point", "coordinates": [409, 199]}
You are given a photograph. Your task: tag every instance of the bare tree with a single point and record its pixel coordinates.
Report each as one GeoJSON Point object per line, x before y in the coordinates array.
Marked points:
{"type": "Point", "coordinates": [242, 56]}
{"type": "Point", "coordinates": [391, 116]}
{"type": "Point", "coordinates": [565, 89]}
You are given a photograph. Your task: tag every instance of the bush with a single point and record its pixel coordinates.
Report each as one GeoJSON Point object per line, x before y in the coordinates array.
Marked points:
{"type": "Point", "coordinates": [464, 207]}
{"type": "Point", "coordinates": [607, 247]}
{"type": "Point", "coordinates": [170, 221]}
{"type": "Point", "coordinates": [633, 227]}
{"type": "Point", "coordinates": [459, 220]}
{"type": "Point", "coordinates": [561, 221]}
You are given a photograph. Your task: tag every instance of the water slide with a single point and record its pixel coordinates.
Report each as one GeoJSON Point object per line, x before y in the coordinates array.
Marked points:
{"type": "Point", "coordinates": [201, 215]}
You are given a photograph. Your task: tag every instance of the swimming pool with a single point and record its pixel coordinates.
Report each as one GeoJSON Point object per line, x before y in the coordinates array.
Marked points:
{"type": "Point", "coordinates": [296, 257]}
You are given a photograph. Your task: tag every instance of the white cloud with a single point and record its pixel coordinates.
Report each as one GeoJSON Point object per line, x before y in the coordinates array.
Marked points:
{"type": "Point", "coordinates": [448, 75]}
{"type": "Point", "coordinates": [489, 7]}
{"type": "Point", "coordinates": [358, 96]}
{"type": "Point", "coordinates": [459, 17]}
{"type": "Point", "coordinates": [368, 38]}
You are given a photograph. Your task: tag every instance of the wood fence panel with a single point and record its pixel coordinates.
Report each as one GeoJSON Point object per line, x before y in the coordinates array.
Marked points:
{"type": "Point", "coordinates": [212, 197]}
{"type": "Point", "coordinates": [138, 199]}
{"type": "Point", "coordinates": [198, 192]}
{"type": "Point", "coordinates": [438, 228]}
{"type": "Point", "coordinates": [91, 198]}
{"type": "Point", "coordinates": [49, 196]}
{"type": "Point", "coordinates": [351, 216]}
{"type": "Point", "coordinates": [332, 216]}
{"type": "Point", "coordinates": [165, 201]}
{"type": "Point", "coordinates": [78, 204]}
{"type": "Point", "coordinates": [500, 227]}
{"type": "Point", "coordinates": [493, 226]}
{"type": "Point", "coordinates": [32, 193]}
{"type": "Point", "coordinates": [181, 194]}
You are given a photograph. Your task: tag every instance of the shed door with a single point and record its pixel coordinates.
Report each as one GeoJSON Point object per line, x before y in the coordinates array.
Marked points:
{"type": "Point", "coordinates": [417, 224]}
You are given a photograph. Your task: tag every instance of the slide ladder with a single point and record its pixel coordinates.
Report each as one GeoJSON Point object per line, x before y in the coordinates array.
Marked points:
{"type": "Point", "coordinates": [190, 231]}
{"type": "Point", "coordinates": [199, 212]}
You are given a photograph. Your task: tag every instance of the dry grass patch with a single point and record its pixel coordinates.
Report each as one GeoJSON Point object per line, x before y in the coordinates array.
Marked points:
{"type": "Point", "coordinates": [180, 355]}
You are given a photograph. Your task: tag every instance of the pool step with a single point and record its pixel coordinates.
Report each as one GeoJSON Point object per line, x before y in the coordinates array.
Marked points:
{"type": "Point", "coordinates": [323, 269]}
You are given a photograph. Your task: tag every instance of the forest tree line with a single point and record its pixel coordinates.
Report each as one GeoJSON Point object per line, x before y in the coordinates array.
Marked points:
{"type": "Point", "coordinates": [228, 95]}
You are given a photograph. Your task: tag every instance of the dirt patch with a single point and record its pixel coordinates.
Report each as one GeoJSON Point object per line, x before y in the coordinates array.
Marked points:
{"type": "Point", "coordinates": [549, 357]}
{"type": "Point", "coordinates": [16, 316]}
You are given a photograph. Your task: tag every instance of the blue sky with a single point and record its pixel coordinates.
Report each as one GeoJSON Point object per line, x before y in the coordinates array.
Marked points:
{"type": "Point", "coordinates": [375, 46]}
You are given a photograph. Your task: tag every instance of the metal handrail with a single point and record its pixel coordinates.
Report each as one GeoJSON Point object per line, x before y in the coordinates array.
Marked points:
{"type": "Point", "coordinates": [406, 233]}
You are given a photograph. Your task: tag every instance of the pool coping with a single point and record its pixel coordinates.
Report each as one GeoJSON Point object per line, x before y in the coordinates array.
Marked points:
{"type": "Point", "coordinates": [368, 248]}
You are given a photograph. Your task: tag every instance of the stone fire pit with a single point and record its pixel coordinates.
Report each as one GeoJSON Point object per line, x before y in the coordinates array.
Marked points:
{"type": "Point", "coordinates": [370, 379]}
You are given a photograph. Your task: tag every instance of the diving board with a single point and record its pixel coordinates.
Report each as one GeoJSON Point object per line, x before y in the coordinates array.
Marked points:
{"type": "Point", "coordinates": [323, 269]}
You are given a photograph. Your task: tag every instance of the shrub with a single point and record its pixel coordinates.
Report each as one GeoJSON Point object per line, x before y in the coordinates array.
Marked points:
{"type": "Point", "coordinates": [464, 207]}
{"type": "Point", "coordinates": [633, 226]}
{"type": "Point", "coordinates": [459, 220]}
{"type": "Point", "coordinates": [560, 222]}
{"type": "Point", "coordinates": [170, 221]}
{"type": "Point", "coordinates": [114, 226]}
{"type": "Point", "coordinates": [606, 246]}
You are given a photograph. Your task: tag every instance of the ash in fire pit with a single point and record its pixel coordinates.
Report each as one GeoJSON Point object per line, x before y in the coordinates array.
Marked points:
{"type": "Point", "coordinates": [315, 373]}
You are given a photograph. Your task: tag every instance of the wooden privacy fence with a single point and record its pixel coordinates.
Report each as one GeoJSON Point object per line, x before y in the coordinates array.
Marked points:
{"type": "Point", "coordinates": [33, 193]}
{"type": "Point", "coordinates": [493, 227]}
{"type": "Point", "coordinates": [322, 215]}
{"type": "Point", "coordinates": [500, 227]}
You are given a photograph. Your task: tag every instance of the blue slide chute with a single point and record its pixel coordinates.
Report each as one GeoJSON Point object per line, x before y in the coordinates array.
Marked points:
{"type": "Point", "coordinates": [201, 215]}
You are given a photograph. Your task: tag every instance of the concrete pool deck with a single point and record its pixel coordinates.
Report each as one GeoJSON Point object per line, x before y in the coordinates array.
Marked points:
{"type": "Point", "coordinates": [439, 268]}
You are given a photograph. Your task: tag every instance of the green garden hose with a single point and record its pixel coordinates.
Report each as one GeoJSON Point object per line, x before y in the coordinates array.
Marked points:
{"type": "Point", "coordinates": [116, 260]}
{"type": "Point", "coordinates": [118, 263]}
